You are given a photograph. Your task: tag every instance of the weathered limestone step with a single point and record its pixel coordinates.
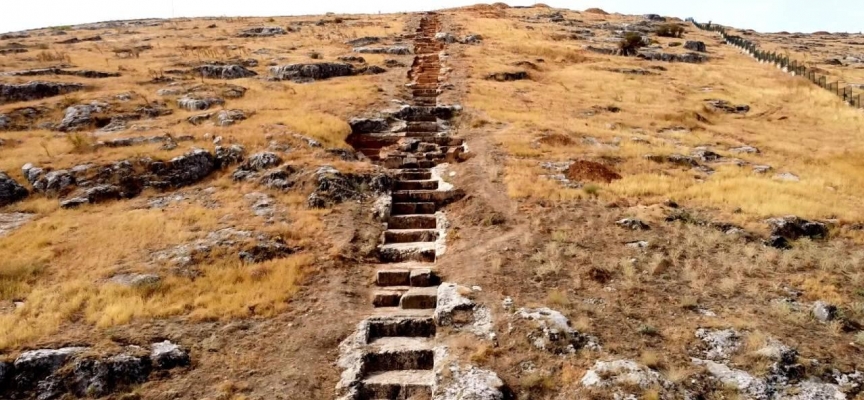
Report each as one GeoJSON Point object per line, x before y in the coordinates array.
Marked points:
{"type": "Point", "coordinates": [414, 175]}
{"type": "Point", "coordinates": [410, 235]}
{"type": "Point", "coordinates": [423, 126]}
{"type": "Point", "coordinates": [412, 221]}
{"type": "Point", "coordinates": [421, 118]}
{"type": "Point", "coordinates": [424, 196]}
{"type": "Point", "coordinates": [413, 208]}
{"type": "Point", "coordinates": [416, 184]}
{"type": "Point", "coordinates": [396, 312]}
{"type": "Point", "coordinates": [390, 297]}
{"type": "Point", "coordinates": [379, 140]}
{"type": "Point", "coordinates": [418, 326]}
{"type": "Point", "coordinates": [402, 252]}
{"type": "Point", "coordinates": [420, 298]}
{"type": "Point", "coordinates": [407, 277]}
{"type": "Point", "coordinates": [407, 357]}
{"type": "Point", "coordinates": [398, 385]}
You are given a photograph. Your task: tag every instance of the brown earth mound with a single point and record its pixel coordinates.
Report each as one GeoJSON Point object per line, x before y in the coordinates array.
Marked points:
{"type": "Point", "coordinates": [541, 5]}
{"type": "Point", "coordinates": [596, 11]}
{"type": "Point", "coordinates": [582, 170]}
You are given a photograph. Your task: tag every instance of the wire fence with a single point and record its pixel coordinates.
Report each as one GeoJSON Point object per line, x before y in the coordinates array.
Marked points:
{"type": "Point", "coordinates": [787, 65]}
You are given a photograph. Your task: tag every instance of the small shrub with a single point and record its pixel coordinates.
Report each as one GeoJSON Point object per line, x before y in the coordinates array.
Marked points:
{"type": "Point", "coordinates": [271, 20]}
{"type": "Point", "coordinates": [675, 44]}
{"type": "Point", "coordinates": [81, 143]}
{"type": "Point", "coordinates": [315, 55]}
{"type": "Point", "coordinates": [557, 298]}
{"type": "Point", "coordinates": [631, 43]}
{"type": "Point", "coordinates": [648, 330]}
{"type": "Point", "coordinates": [591, 190]}
{"type": "Point", "coordinates": [670, 30]}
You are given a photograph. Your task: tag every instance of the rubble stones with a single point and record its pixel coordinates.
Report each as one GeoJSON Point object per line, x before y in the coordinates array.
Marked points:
{"type": "Point", "coordinates": [61, 71]}
{"type": "Point", "coordinates": [368, 125]}
{"type": "Point", "coordinates": [35, 90]}
{"type": "Point", "coordinates": [53, 183]}
{"type": "Point", "coordinates": [186, 169]}
{"type": "Point", "coordinates": [10, 190]}
{"type": "Point", "coordinates": [470, 383]}
{"type": "Point", "coordinates": [334, 187]}
{"type": "Point", "coordinates": [261, 161]}
{"type": "Point", "coordinates": [35, 365]}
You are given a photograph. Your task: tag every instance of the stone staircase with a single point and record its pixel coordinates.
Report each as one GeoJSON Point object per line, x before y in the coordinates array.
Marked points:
{"type": "Point", "coordinates": [392, 355]}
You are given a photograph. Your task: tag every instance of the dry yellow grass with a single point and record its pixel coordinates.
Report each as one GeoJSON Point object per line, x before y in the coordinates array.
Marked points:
{"type": "Point", "coordinates": [798, 127]}
{"type": "Point", "coordinates": [59, 264]}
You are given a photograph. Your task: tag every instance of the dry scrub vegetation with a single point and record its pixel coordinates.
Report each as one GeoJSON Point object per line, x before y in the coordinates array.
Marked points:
{"type": "Point", "coordinates": [58, 265]}
{"type": "Point", "coordinates": [797, 127]}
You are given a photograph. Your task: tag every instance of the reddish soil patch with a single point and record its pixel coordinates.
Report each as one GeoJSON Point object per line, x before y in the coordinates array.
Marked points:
{"type": "Point", "coordinates": [583, 170]}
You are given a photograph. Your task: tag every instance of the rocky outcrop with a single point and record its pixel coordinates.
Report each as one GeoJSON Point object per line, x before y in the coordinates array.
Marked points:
{"type": "Point", "coordinates": [552, 331]}
{"type": "Point", "coordinates": [80, 116]}
{"type": "Point", "coordinates": [618, 373]}
{"type": "Point", "coordinates": [311, 72]}
{"type": "Point", "coordinates": [363, 41]}
{"type": "Point", "coordinates": [10, 93]}
{"type": "Point", "coordinates": [394, 50]}
{"type": "Point", "coordinates": [61, 71]}
{"type": "Point", "coordinates": [361, 126]}
{"type": "Point", "coordinates": [508, 76]}
{"type": "Point", "coordinates": [10, 190]}
{"type": "Point", "coordinates": [468, 383]}
{"type": "Point", "coordinates": [633, 224]}
{"type": "Point", "coordinates": [793, 228]}
{"type": "Point", "coordinates": [334, 187]}
{"type": "Point", "coordinates": [223, 71]}
{"type": "Point", "coordinates": [198, 104]}
{"type": "Point", "coordinates": [695, 46]}
{"type": "Point", "coordinates": [183, 170]}
{"type": "Point", "coordinates": [54, 373]}
{"type": "Point", "coordinates": [264, 31]}
{"type": "Point", "coordinates": [226, 156]}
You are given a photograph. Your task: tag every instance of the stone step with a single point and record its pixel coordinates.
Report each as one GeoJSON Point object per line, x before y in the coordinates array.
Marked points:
{"type": "Point", "coordinates": [398, 385]}
{"type": "Point", "coordinates": [410, 235]}
{"type": "Point", "coordinates": [391, 297]}
{"type": "Point", "coordinates": [378, 140]}
{"type": "Point", "coordinates": [406, 277]}
{"type": "Point", "coordinates": [421, 118]}
{"type": "Point", "coordinates": [423, 126]}
{"type": "Point", "coordinates": [413, 208]}
{"type": "Point", "coordinates": [403, 252]}
{"type": "Point", "coordinates": [414, 175]}
{"type": "Point", "coordinates": [420, 298]}
{"type": "Point", "coordinates": [412, 221]}
{"type": "Point", "coordinates": [401, 326]}
{"type": "Point", "coordinates": [424, 196]}
{"type": "Point", "coordinates": [398, 354]}
{"type": "Point", "coordinates": [396, 312]}
{"type": "Point", "coordinates": [416, 185]}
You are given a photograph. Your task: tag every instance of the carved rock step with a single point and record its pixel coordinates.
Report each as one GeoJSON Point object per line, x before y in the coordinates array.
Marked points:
{"type": "Point", "coordinates": [421, 118]}
{"type": "Point", "coordinates": [416, 277]}
{"type": "Point", "coordinates": [379, 140]}
{"type": "Point", "coordinates": [420, 298]}
{"type": "Point", "coordinates": [402, 252]}
{"type": "Point", "coordinates": [406, 298]}
{"type": "Point", "coordinates": [413, 208]}
{"type": "Point", "coordinates": [404, 162]}
{"type": "Point", "coordinates": [410, 235]}
{"type": "Point", "coordinates": [423, 126]}
{"type": "Point", "coordinates": [398, 354]}
{"type": "Point", "coordinates": [401, 326]}
{"type": "Point", "coordinates": [398, 385]}
{"type": "Point", "coordinates": [396, 312]}
{"type": "Point", "coordinates": [414, 174]}
{"type": "Point", "coordinates": [424, 196]}
{"type": "Point", "coordinates": [416, 185]}
{"type": "Point", "coordinates": [412, 221]}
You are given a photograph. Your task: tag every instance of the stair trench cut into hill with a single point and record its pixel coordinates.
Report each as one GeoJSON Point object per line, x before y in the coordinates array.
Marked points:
{"type": "Point", "coordinates": [393, 352]}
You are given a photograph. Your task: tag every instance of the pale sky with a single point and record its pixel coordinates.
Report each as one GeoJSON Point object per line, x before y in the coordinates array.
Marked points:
{"type": "Point", "coordinates": [762, 15]}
